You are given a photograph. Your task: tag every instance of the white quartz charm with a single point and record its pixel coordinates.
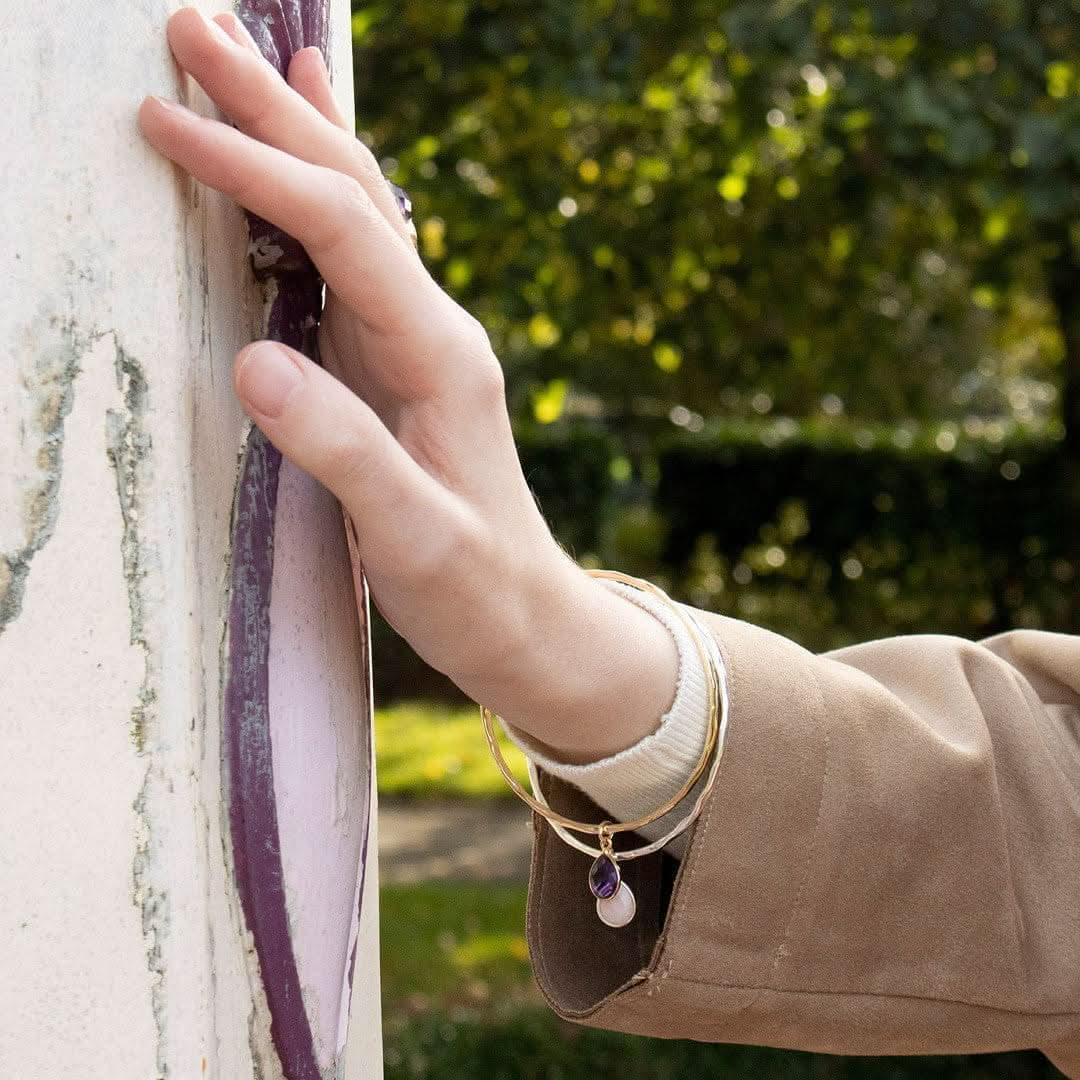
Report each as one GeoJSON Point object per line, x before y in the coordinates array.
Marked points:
{"type": "Point", "coordinates": [619, 909]}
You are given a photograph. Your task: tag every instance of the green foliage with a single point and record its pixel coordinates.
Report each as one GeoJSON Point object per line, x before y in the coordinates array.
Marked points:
{"type": "Point", "coordinates": [833, 546]}
{"type": "Point", "coordinates": [435, 750]}
{"type": "Point", "coordinates": [786, 294]}
{"type": "Point", "coordinates": [448, 944]}
{"type": "Point", "coordinates": [742, 208]}
{"type": "Point", "coordinates": [500, 1044]}
{"type": "Point", "coordinates": [790, 222]}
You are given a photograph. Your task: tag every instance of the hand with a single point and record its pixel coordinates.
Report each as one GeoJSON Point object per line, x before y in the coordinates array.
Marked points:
{"type": "Point", "coordinates": [407, 425]}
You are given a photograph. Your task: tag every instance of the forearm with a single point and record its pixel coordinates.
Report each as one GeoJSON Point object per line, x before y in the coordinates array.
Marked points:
{"type": "Point", "coordinates": [592, 675]}
{"type": "Point", "coordinates": [608, 692]}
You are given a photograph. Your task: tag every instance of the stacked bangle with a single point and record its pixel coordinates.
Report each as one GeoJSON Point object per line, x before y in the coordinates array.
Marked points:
{"type": "Point", "coordinates": [615, 904]}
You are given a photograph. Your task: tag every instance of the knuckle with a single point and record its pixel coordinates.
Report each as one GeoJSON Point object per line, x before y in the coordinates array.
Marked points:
{"type": "Point", "coordinates": [365, 158]}
{"type": "Point", "coordinates": [256, 104]}
{"type": "Point", "coordinates": [486, 376]}
{"type": "Point", "coordinates": [351, 459]}
{"type": "Point", "coordinates": [470, 338]}
{"type": "Point", "coordinates": [477, 372]}
{"type": "Point", "coordinates": [490, 384]}
{"type": "Point", "coordinates": [476, 333]}
{"type": "Point", "coordinates": [472, 328]}
{"type": "Point", "coordinates": [256, 118]}
{"type": "Point", "coordinates": [351, 210]}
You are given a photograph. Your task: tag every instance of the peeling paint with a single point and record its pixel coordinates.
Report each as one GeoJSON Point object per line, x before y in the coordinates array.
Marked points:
{"type": "Point", "coordinates": [53, 388]}
{"type": "Point", "coordinates": [116, 465]}
{"type": "Point", "coordinates": [128, 446]}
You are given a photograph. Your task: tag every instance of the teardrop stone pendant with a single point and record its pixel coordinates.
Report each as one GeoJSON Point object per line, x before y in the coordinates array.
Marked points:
{"type": "Point", "coordinates": [615, 903]}
{"type": "Point", "coordinates": [604, 877]}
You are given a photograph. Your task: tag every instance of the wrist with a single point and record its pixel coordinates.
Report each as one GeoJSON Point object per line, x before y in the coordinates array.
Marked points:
{"type": "Point", "coordinates": [588, 672]}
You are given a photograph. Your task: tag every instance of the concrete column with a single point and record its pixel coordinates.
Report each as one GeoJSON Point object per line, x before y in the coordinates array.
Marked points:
{"type": "Point", "coordinates": [188, 885]}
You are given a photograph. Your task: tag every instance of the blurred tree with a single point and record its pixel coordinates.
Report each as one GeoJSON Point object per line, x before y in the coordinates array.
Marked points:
{"type": "Point", "coordinates": [673, 213]}
{"type": "Point", "coordinates": [746, 207]}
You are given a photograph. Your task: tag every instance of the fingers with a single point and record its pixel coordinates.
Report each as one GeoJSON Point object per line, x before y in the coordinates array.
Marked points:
{"type": "Point", "coordinates": [368, 263]}
{"type": "Point", "coordinates": [309, 77]}
{"type": "Point", "coordinates": [237, 31]}
{"type": "Point", "coordinates": [332, 434]}
{"type": "Point", "coordinates": [222, 57]}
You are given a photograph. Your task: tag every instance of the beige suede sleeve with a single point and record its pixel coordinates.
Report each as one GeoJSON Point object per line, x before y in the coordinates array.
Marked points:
{"type": "Point", "coordinates": [890, 863]}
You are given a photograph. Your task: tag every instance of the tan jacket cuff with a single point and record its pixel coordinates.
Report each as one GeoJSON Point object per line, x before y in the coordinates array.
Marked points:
{"type": "Point", "coordinates": [889, 863]}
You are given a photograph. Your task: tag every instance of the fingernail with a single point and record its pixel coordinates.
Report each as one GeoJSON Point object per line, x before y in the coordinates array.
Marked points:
{"type": "Point", "coordinates": [235, 28]}
{"type": "Point", "coordinates": [173, 107]}
{"type": "Point", "coordinates": [267, 376]}
{"type": "Point", "coordinates": [215, 28]}
{"type": "Point", "coordinates": [322, 59]}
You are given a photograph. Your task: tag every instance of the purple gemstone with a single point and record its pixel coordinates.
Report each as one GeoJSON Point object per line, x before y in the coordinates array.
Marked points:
{"type": "Point", "coordinates": [403, 200]}
{"type": "Point", "coordinates": [604, 877]}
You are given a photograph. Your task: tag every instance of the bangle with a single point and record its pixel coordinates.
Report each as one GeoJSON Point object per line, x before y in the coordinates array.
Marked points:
{"type": "Point", "coordinates": [615, 904]}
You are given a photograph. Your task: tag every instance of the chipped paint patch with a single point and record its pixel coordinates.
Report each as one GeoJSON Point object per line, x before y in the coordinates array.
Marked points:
{"type": "Point", "coordinates": [128, 450]}
{"type": "Point", "coordinates": [50, 386]}
{"type": "Point", "coordinates": [128, 446]}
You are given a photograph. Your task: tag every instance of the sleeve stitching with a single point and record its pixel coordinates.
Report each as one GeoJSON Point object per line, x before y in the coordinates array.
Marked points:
{"type": "Point", "coordinates": [870, 994]}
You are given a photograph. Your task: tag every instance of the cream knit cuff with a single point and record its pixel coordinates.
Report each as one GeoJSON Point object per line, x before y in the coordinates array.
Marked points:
{"type": "Point", "coordinates": [642, 776]}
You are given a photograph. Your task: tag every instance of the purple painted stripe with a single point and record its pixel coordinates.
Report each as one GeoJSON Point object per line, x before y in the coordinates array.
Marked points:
{"type": "Point", "coordinates": [266, 22]}
{"type": "Point", "coordinates": [280, 27]}
{"type": "Point", "coordinates": [292, 16]}
{"type": "Point", "coordinates": [315, 24]}
{"type": "Point", "coordinates": [249, 766]}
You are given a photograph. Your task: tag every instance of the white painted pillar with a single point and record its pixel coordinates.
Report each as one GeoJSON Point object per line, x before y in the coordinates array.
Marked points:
{"type": "Point", "coordinates": [185, 686]}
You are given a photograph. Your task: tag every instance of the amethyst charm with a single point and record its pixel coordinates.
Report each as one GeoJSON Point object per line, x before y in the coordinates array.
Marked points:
{"type": "Point", "coordinates": [405, 206]}
{"type": "Point", "coordinates": [604, 877]}
{"type": "Point", "coordinates": [615, 904]}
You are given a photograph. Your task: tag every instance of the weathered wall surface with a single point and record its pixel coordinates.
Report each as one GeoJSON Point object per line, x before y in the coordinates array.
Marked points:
{"type": "Point", "coordinates": [124, 948]}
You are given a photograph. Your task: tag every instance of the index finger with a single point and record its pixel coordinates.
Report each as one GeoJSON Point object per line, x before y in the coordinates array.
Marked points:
{"type": "Point", "coordinates": [223, 59]}
{"type": "Point", "coordinates": [361, 256]}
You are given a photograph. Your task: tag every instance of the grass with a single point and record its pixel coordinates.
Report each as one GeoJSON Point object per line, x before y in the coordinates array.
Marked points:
{"type": "Point", "coordinates": [534, 1045]}
{"type": "Point", "coordinates": [431, 751]}
{"type": "Point", "coordinates": [451, 943]}
{"type": "Point", "coordinates": [459, 1001]}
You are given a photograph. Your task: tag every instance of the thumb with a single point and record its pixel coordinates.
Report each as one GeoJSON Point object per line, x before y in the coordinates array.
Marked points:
{"type": "Point", "coordinates": [329, 432]}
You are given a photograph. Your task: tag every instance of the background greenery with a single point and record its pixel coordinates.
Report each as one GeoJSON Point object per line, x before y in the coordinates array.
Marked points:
{"type": "Point", "coordinates": [788, 298]}
{"type": "Point", "coordinates": [438, 751]}
{"type": "Point", "coordinates": [700, 233]}
{"type": "Point", "coordinates": [459, 1001]}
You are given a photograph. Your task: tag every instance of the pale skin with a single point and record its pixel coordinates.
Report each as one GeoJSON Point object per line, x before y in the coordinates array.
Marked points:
{"type": "Point", "coordinates": [407, 423]}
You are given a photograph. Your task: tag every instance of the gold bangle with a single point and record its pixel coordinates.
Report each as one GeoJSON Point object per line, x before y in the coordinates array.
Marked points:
{"type": "Point", "coordinates": [614, 901]}
{"type": "Point", "coordinates": [710, 739]}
